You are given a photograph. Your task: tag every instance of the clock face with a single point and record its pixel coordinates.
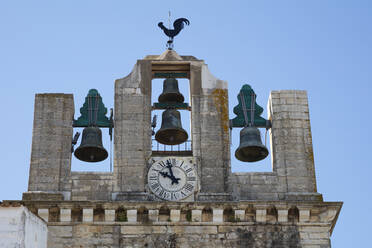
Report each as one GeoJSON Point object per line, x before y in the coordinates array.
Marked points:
{"type": "Point", "coordinates": [172, 178]}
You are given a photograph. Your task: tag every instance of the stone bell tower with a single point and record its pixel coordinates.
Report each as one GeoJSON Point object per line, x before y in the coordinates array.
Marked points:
{"type": "Point", "coordinates": [178, 198]}
{"type": "Point", "coordinates": [209, 126]}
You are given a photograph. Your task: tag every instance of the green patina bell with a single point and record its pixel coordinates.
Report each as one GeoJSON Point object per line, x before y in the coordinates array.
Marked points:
{"type": "Point", "coordinates": [171, 131]}
{"type": "Point", "coordinates": [251, 148]}
{"type": "Point", "coordinates": [171, 92]}
{"type": "Point", "coordinates": [91, 148]}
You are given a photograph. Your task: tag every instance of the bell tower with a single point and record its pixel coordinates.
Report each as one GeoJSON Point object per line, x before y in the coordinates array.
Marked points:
{"type": "Point", "coordinates": [209, 125]}
{"type": "Point", "coordinates": [175, 197]}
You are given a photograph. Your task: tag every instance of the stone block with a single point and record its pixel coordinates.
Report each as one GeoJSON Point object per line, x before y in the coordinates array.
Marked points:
{"type": "Point", "coordinates": [43, 213]}
{"type": "Point", "coordinates": [261, 215]}
{"type": "Point", "coordinates": [282, 215]}
{"type": "Point", "coordinates": [143, 229]}
{"type": "Point", "coordinates": [194, 229]}
{"type": "Point", "coordinates": [109, 214]}
{"type": "Point", "coordinates": [87, 215]}
{"type": "Point", "coordinates": [60, 231]}
{"type": "Point", "coordinates": [65, 214]}
{"type": "Point", "coordinates": [175, 215]}
{"type": "Point", "coordinates": [217, 215]}
{"type": "Point", "coordinates": [132, 215]}
{"type": "Point", "coordinates": [304, 215]}
{"type": "Point", "coordinates": [154, 215]}
{"type": "Point", "coordinates": [239, 215]}
{"type": "Point", "coordinates": [196, 215]}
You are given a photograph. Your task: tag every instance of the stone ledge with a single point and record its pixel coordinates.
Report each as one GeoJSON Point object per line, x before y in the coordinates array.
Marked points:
{"type": "Point", "coordinates": [148, 213]}
{"type": "Point", "coordinates": [42, 196]}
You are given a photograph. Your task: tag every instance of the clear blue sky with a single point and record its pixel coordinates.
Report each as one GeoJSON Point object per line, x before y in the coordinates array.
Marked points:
{"type": "Point", "coordinates": [321, 46]}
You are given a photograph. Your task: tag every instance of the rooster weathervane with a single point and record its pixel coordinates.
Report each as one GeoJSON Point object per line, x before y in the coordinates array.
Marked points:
{"type": "Point", "coordinates": [178, 25]}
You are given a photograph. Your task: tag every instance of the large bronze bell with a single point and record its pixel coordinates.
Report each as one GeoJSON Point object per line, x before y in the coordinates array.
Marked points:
{"type": "Point", "coordinates": [171, 131]}
{"type": "Point", "coordinates": [251, 148]}
{"type": "Point", "coordinates": [171, 92]}
{"type": "Point", "coordinates": [91, 148]}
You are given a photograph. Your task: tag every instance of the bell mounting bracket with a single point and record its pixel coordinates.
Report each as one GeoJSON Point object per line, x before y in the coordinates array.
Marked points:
{"type": "Point", "coordinates": [93, 113]}
{"type": "Point", "coordinates": [248, 112]}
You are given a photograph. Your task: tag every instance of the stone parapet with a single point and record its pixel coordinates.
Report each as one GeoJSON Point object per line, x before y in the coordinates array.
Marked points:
{"type": "Point", "coordinates": [234, 212]}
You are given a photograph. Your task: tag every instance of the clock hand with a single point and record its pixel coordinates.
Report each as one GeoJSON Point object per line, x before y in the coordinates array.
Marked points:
{"type": "Point", "coordinates": [165, 174]}
{"type": "Point", "coordinates": [172, 177]}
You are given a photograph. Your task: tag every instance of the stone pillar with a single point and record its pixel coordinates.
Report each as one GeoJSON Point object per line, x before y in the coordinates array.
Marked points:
{"type": "Point", "coordinates": [261, 215]}
{"type": "Point", "coordinates": [132, 139]}
{"type": "Point", "coordinates": [217, 215]}
{"type": "Point", "coordinates": [175, 215]}
{"type": "Point", "coordinates": [196, 215]}
{"type": "Point", "coordinates": [154, 215]}
{"type": "Point", "coordinates": [51, 143]}
{"type": "Point", "coordinates": [87, 214]}
{"type": "Point", "coordinates": [132, 215]}
{"type": "Point", "coordinates": [65, 215]}
{"type": "Point", "coordinates": [291, 144]}
{"type": "Point", "coordinates": [109, 214]}
{"type": "Point", "coordinates": [304, 215]}
{"type": "Point", "coordinates": [283, 215]}
{"type": "Point", "coordinates": [239, 215]}
{"type": "Point", "coordinates": [210, 131]}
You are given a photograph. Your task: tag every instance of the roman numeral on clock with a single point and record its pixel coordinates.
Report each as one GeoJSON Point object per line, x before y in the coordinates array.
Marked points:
{"type": "Point", "coordinates": [155, 186]}
{"type": "Point", "coordinates": [153, 177]}
{"type": "Point", "coordinates": [173, 196]}
{"type": "Point", "coordinates": [162, 164]}
{"type": "Point", "coordinates": [191, 179]}
{"type": "Point", "coordinates": [189, 187]}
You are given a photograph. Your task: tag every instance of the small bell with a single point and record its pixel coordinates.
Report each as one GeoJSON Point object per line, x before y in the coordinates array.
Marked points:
{"type": "Point", "coordinates": [91, 148]}
{"type": "Point", "coordinates": [171, 131]}
{"type": "Point", "coordinates": [251, 148]}
{"type": "Point", "coordinates": [171, 92]}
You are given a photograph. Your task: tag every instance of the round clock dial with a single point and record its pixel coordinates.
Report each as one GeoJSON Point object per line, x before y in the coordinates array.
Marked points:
{"type": "Point", "coordinates": [172, 179]}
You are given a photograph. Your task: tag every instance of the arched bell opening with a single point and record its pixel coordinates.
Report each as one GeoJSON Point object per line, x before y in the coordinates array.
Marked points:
{"type": "Point", "coordinates": [143, 215]}
{"type": "Point", "coordinates": [77, 214]}
{"type": "Point", "coordinates": [92, 145]}
{"type": "Point", "coordinates": [171, 128]}
{"type": "Point", "coordinates": [54, 214]}
{"type": "Point", "coordinates": [98, 214]}
{"type": "Point", "coordinates": [121, 214]}
{"type": "Point", "coordinates": [250, 145]}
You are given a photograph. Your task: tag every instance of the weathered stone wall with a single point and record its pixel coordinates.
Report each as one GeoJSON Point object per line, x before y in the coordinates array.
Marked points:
{"type": "Point", "coordinates": [20, 228]}
{"type": "Point", "coordinates": [132, 139]}
{"type": "Point", "coordinates": [91, 185]}
{"type": "Point", "coordinates": [51, 143]}
{"type": "Point", "coordinates": [210, 131]}
{"type": "Point", "coordinates": [175, 224]}
{"type": "Point", "coordinates": [175, 236]}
